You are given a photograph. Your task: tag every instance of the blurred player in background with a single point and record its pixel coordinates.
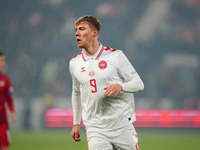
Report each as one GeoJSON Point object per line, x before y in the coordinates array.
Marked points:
{"type": "Point", "coordinates": [5, 97]}
{"type": "Point", "coordinates": [103, 85]}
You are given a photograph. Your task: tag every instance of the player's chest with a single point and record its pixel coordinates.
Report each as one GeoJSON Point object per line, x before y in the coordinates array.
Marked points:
{"type": "Point", "coordinates": [95, 69]}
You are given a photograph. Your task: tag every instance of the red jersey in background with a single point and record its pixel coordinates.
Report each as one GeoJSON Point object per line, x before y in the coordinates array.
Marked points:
{"type": "Point", "coordinates": [5, 97]}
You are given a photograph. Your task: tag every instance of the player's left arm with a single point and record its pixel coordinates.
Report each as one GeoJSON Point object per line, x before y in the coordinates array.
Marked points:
{"type": "Point", "coordinates": [10, 101]}
{"type": "Point", "coordinates": [132, 81]}
{"type": "Point", "coordinates": [113, 88]}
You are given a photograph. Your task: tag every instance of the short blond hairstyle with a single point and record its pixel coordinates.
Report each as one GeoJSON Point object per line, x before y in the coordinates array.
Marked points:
{"type": "Point", "coordinates": [92, 20]}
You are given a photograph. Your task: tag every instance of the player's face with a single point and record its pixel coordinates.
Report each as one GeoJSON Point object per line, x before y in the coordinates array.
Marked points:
{"type": "Point", "coordinates": [84, 34]}
{"type": "Point", "coordinates": [2, 62]}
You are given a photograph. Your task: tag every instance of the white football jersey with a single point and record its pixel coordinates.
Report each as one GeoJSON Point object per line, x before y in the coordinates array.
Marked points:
{"type": "Point", "coordinates": [90, 76]}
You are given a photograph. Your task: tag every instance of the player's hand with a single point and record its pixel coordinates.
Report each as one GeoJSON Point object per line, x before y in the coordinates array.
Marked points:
{"type": "Point", "coordinates": [75, 133]}
{"type": "Point", "coordinates": [113, 88]}
{"type": "Point", "coordinates": [13, 117]}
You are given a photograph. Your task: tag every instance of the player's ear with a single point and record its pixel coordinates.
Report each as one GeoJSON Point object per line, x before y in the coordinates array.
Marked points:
{"type": "Point", "coordinates": [95, 33]}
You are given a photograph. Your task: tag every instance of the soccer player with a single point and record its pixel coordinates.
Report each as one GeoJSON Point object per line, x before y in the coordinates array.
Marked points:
{"type": "Point", "coordinates": [103, 85]}
{"type": "Point", "coordinates": [5, 97]}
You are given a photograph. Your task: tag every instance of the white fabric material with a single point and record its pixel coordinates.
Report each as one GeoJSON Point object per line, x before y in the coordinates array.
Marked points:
{"type": "Point", "coordinates": [99, 112]}
{"type": "Point", "coordinates": [124, 138]}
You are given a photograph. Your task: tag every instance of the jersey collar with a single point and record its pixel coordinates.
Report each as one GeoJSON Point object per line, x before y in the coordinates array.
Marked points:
{"type": "Point", "coordinates": [96, 55]}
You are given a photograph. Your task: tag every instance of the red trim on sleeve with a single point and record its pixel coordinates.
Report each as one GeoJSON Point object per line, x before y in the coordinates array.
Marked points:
{"type": "Point", "coordinates": [111, 49]}
{"type": "Point", "coordinates": [107, 48]}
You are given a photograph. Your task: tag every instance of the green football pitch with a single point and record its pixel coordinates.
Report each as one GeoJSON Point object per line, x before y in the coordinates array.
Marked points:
{"type": "Point", "coordinates": [149, 139]}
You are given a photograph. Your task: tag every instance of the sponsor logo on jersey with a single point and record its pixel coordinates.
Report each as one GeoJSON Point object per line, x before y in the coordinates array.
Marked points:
{"type": "Point", "coordinates": [102, 64]}
{"type": "Point", "coordinates": [91, 73]}
{"type": "Point", "coordinates": [2, 83]}
{"type": "Point", "coordinates": [83, 69]}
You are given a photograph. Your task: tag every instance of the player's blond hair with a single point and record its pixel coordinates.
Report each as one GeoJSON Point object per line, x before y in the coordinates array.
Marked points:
{"type": "Point", "coordinates": [92, 20]}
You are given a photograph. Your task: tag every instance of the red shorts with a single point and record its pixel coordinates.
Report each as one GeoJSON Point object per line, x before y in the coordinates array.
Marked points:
{"type": "Point", "coordinates": [4, 135]}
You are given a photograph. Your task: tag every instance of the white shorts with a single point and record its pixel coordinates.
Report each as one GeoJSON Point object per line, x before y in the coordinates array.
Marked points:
{"type": "Point", "coordinates": [119, 139]}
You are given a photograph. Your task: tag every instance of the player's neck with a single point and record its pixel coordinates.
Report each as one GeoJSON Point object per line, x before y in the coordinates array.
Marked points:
{"type": "Point", "coordinates": [91, 49]}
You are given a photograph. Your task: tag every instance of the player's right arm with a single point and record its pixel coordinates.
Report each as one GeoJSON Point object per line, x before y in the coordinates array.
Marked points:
{"type": "Point", "coordinates": [76, 133]}
{"type": "Point", "coordinates": [76, 106]}
{"type": "Point", "coordinates": [10, 100]}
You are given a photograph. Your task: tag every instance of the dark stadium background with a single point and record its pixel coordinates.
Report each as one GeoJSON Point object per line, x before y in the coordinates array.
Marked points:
{"type": "Point", "coordinates": [160, 37]}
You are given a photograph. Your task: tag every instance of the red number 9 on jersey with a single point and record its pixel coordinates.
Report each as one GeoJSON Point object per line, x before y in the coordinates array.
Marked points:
{"type": "Point", "coordinates": [93, 84]}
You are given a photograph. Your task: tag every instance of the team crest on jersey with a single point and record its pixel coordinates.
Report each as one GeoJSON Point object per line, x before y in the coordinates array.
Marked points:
{"type": "Point", "coordinates": [102, 64]}
{"type": "Point", "coordinates": [2, 83]}
{"type": "Point", "coordinates": [83, 69]}
{"type": "Point", "coordinates": [91, 73]}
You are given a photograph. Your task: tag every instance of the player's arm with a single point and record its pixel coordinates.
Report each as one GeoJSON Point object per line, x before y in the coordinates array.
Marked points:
{"type": "Point", "coordinates": [113, 88]}
{"type": "Point", "coordinates": [76, 107]}
{"type": "Point", "coordinates": [132, 82]}
{"type": "Point", "coordinates": [10, 101]}
{"type": "Point", "coordinates": [76, 133]}
{"type": "Point", "coordinates": [135, 85]}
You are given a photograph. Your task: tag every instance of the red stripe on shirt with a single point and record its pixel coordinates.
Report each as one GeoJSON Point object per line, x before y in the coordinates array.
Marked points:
{"type": "Point", "coordinates": [82, 56]}
{"type": "Point", "coordinates": [102, 49]}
